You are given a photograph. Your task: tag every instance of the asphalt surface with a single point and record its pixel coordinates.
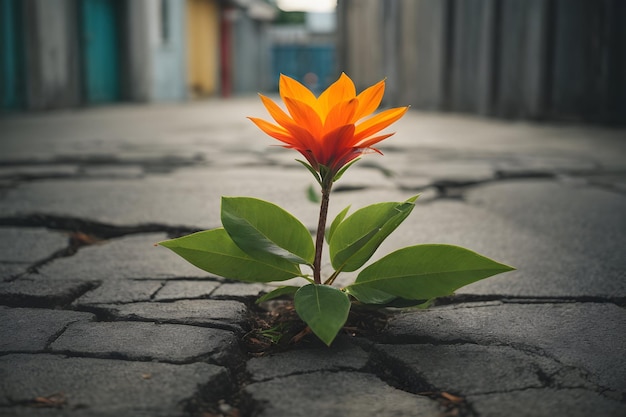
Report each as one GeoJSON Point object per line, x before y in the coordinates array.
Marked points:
{"type": "Point", "coordinates": [97, 321]}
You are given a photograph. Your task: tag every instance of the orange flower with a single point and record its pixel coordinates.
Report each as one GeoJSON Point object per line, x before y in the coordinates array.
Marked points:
{"type": "Point", "coordinates": [324, 129]}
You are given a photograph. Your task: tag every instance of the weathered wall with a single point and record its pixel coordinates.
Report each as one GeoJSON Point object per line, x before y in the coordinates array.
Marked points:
{"type": "Point", "coordinates": [361, 51]}
{"type": "Point", "coordinates": [251, 55]}
{"type": "Point", "coordinates": [50, 41]}
{"type": "Point", "coordinates": [138, 62]}
{"type": "Point", "coordinates": [424, 37]}
{"type": "Point", "coordinates": [538, 59]}
{"type": "Point", "coordinates": [68, 53]}
{"type": "Point", "coordinates": [246, 53]}
{"type": "Point", "coordinates": [168, 51]}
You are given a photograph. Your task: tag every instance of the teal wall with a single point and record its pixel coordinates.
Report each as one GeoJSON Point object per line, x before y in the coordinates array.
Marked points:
{"type": "Point", "coordinates": [11, 82]}
{"type": "Point", "coordinates": [100, 24]}
{"type": "Point", "coordinates": [69, 53]}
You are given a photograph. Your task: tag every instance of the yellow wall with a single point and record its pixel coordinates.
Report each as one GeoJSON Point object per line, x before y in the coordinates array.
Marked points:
{"type": "Point", "coordinates": [202, 47]}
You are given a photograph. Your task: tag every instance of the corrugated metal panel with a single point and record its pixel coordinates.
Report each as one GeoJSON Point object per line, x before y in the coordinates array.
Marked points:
{"type": "Point", "coordinates": [538, 59]}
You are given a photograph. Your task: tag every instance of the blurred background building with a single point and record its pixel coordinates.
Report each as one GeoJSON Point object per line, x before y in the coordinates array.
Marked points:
{"type": "Point", "coordinates": [533, 59]}
{"type": "Point", "coordinates": [521, 59]}
{"type": "Point", "coordinates": [67, 53]}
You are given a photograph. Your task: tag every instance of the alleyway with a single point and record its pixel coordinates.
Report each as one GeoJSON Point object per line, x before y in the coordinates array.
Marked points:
{"type": "Point", "coordinates": [96, 321]}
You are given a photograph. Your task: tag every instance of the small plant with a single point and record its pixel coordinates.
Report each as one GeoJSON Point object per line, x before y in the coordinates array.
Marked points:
{"type": "Point", "coordinates": [261, 242]}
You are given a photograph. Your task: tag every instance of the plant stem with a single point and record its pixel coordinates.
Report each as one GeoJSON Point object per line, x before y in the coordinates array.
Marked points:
{"type": "Point", "coordinates": [321, 229]}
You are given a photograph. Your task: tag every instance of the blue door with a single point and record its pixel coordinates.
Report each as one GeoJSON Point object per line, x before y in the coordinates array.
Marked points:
{"type": "Point", "coordinates": [11, 87]}
{"type": "Point", "coordinates": [100, 50]}
{"type": "Point", "coordinates": [313, 65]}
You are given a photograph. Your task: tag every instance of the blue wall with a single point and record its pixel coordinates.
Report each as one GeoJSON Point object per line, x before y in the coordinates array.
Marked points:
{"type": "Point", "coordinates": [296, 61]}
{"type": "Point", "coordinates": [168, 57]}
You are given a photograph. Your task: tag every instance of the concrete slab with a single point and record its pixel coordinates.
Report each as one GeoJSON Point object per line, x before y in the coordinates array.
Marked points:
{"type": "Point", "coordinates": [31, 330]}
{"type": "Point", "coordinates": [220, 313]}
{"type": "Point", "coordinates": [587, 221]}
{"type": "Point", "coordinates": [104, 387]}
{"type": "Point", "coordinates": [550, 164]}
{"type": "Point", "coordinates": [129, 257]}
{"type": "Point", "coordinates": [343, 356]}
{"type": "Point", "coordinates": [29, 245]}
{"type": "Point", "coordinates": [119, 291]}
{"type": "Point", "coordinates": [452, 170]}
{"type": "Point", "coordinates": [189, 197]}
{"type": "Point", "coordinates": [546, 268]}
{"type": "Point", "coordinates": [466, 369]}
{"type": "Point", "coordinates": [546, 403]}
{"type": "Point", "coordinates": [240, 290]}
{"type": "Point", "coordinates": [170, 164]}
{"type": "Point", "coordinates": [41, 292]}
{"type": "Point", "coordinates": [142, 341]}
{"type": "Point", "coordinates": [586, 336]}
{"type": "Point", "coordinates": [331, 394]}
{"type": "Point", "coordinates": [27, 171]}
{"type": "Point", "coordinates": [185, 289]}
{"type": "Point", "coordinates": [10, 271]}
{"type": "Point", "coordinates": [113, 171]}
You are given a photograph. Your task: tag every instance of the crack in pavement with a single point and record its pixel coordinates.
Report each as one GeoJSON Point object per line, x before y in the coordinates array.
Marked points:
{"type": "Point", "coordinates": [513, 299]}
{"type": "Point", "coordinates": [81, 233]}
{"type": "Point", "coordinates": [392, 371]}
{"type": "Point", "coordinates": [93, 228]}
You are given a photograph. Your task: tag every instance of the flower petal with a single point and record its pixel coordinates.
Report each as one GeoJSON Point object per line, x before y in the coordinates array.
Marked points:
{"type": "Point", "coordinates": [341, 114]}
{"type": "Point", "coordinates": [276, 132]}
{"type": "Point", "coordinates": [304, 116]}
{"type": "Point", "coordinates": [291, 88]}
{"type": "Point", "coordinates": [369, 100]}
{"type": "Point", "coordinates": [341, 90]}
{"type": "Point", "coordinates": [276, 112]}
{"type": "Point", "coordinates": [323, 129]}
{"type": "Point", "coordinates": [336, 143]}
{"type": "Point", "coordinates": [307, 142]}
{"type": "Point", "coordinates": [378, 122]}
{"type": "Point", "coordinates": [366, 143]}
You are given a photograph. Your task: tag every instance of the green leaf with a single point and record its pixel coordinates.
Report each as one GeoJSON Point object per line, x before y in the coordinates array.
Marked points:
{"type": "Point", "coordinates": [312, 194]}
{"type": "Point", "coordinates": [335, 223]}
{"type": "Point", "coordinates": [311, 170]}
{"type": "Point", "coordinates": [265, 231]}
{"type": "Point", "coordinates": [215, 252]}
{"type": "Point", "coordinates": [369, 295]}
{"type": "Point", "coordinates": [278, 292]}
{"type": "Point", "coordinates": [343, 170]}
{"type": "Point", "coordinates": [404, 303]}
{"type": "Point", "coordinates": [325, 309]}
{"type": "Point", "coordinates": [356, 238]}
{"type": "Point", "coordinates": [423, 272]}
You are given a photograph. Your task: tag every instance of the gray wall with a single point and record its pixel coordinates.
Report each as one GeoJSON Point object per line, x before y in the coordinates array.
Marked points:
{"type": "Point", "coordinates": [361, 40]}
{"type": "Point", "coordinates": [535, 59]}
{"type": "Point", "coordinates": [50, 41]}
{"type": "Point", "coordinates": [251, 55]}
{"type": "Point", "coordinates": [137, 53]}
{"type": "Point", "coordinates": [156, 67]}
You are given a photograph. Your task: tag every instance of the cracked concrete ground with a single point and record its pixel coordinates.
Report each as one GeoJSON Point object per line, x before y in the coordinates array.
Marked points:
{"type": "Point", "coordinates": [96, 321]}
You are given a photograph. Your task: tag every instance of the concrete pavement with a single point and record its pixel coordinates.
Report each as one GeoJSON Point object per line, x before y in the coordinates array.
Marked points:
{"type": "Point", "coordinates": [96, 321]}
